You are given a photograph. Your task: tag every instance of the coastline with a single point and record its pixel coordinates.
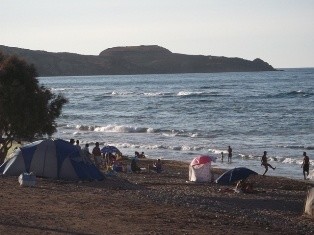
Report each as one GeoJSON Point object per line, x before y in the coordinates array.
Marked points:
{"type": "Point", "coordinates": [151, 203]}
{"type": "Point", "coordinates": [167, 119]}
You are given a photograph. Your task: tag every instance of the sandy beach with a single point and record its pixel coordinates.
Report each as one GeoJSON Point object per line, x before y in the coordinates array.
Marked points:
{"type": "Point", "coordinates": [151, 203]}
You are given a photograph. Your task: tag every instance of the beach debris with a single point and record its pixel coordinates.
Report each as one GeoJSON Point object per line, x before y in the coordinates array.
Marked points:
{"type": "Point", "coordinates": [309, 203]}
{"type": "Point", "coordinates": [27, 179]}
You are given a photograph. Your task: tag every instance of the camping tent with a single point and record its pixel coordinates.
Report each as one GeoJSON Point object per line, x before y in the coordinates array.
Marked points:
{"type": "Point", "coordinates": [309, 203]}
{"type": "Point", "coordinates": [110, 149]}
{"type": "Point", "coordinates": [199, 169]}
{"type": "Point", "coordinates": [51, 159]}
{"type": "Point", "coordinates": [234, 175]}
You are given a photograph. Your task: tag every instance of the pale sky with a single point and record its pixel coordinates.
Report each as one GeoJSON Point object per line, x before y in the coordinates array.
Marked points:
{"type": "Point", "coordinates": [280, 32]}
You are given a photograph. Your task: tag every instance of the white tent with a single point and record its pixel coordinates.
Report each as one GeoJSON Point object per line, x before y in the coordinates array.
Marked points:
{"type": "Point", "coordinates": [309, 203]}
{"type": "Point", "coordinates": [200, 169]}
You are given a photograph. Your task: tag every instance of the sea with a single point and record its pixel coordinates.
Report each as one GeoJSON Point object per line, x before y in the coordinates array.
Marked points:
{"type": "Point", "coordinates": [181, 116]}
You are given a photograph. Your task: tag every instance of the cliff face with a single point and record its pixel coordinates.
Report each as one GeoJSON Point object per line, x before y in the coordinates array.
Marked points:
{"type": "Point", "coordinates": [132, 60]}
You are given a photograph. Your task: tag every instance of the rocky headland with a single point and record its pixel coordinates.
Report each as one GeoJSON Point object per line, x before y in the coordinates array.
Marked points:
{"type": "Point", "coordinates": [132, 60]}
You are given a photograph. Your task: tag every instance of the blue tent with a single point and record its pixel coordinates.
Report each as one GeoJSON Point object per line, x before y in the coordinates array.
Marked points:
{"type": "Point", "coordinates": [234, 175]}
{"type": "Point", "coordinates": [110, 149]}
{"type": "Point", "coordinates": [51, 159]}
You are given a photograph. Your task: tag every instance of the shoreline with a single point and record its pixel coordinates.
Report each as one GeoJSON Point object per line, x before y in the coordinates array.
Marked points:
{"type": "Point", "coordinates": [151, 203]}
{"type": "Point", "coordinates": [217, 165]}
{"type": "Point", "coordinates": [288, 170]}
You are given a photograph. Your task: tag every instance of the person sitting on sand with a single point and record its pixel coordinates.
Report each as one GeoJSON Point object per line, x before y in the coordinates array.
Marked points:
{"type": "Point", "coordinates": [117, 166]}
{"type": "Point", "coordinates": [136, 154]}
{"type": "Point", "coordinates": [157, 166]}
{"type": "Point", "coordinates": [305, 165]}
{"type": "Point", "coordinates": [142, 155]}
{"type": "Point", "coordinates": [265, 163]}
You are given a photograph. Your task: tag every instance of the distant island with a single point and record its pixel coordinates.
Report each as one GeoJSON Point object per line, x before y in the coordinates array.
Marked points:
{"type": "Point", "coordinates": [132, 60]}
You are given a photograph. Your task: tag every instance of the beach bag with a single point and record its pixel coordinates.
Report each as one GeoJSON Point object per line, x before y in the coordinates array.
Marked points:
{"type": "Point", "coordinates": [27, 179]}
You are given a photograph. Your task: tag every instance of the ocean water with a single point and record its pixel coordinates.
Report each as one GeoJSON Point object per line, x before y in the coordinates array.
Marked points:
{"type": "Point", "coordinates": [180, 116]}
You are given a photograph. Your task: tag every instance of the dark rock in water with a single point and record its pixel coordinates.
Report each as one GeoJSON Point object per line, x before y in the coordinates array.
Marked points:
{"type": "Point", "coordinates": [132, 60]}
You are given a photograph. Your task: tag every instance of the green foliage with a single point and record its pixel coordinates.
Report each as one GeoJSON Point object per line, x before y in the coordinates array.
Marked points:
{"type": "Point", "coordinates": [27, 110]}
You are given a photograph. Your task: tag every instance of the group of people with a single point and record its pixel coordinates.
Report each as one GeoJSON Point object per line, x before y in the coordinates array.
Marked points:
{"type": "Point", "coordinates": [229, 154]}
{"type": "Point", "coordinates": [157, 166]}
{"type": "Point", "coordinates": [99, 158]}
{"type": "Point", "coordinates": [109, 160]}
{"type": "Point", "coordinates": [264, 162]}
{"type": "Point", "coordinates": [305, 164]}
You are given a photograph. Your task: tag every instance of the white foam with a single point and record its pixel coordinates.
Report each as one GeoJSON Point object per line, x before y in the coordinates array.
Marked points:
{"type": "Point", "coordinates": [217, 151]}
{"type": "Point", "coordinates": [122, 129]}
{"type": "Point", "coordinates": [85, 128]}
{"type": "Point", "coordinates": [289, 160]}
{"type": "Point", "coordinates": [150, 130]}
{"type": "Point", "coordinates": [154, 94]}
{"type": "Point", "coordinates": [194, 135]}
{"type": "Point", "coordinates": [187, 93]}
{"type": "Point", "coordinates": [169, 134]}
{"type": "Point", "coordinates": [185, 148]}
{"type": "Point", "coordinates": [121, 93]}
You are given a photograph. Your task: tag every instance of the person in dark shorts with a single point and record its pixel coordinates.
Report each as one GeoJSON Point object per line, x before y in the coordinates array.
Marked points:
{"type": "Point", "coordinates": [306, 165]}
{"type": "Point", "coordinates": [265, 163]}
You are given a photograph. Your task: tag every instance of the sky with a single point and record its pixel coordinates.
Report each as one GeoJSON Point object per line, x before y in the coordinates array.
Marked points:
{"type": "Point", "coordinates": [280, 32]}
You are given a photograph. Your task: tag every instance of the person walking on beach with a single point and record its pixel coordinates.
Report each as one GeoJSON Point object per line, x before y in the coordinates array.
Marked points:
{"type": "Point", "coordinates": [229, 153]}
{"type": "Point", "coordinates": [265, 163]}
{"type": "Point", "coordinates": [306, 165]}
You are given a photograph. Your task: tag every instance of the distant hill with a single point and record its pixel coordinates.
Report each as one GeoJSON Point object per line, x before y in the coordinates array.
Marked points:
{"type": "Point", "coordinates": [132, 60]}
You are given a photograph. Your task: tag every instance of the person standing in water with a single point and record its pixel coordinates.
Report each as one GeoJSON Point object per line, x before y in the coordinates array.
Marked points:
{"type": "Point", "coordinates": [305, 165]}
{"type": "Point", "coordinates": [265, 163]}
{"type": "Point", "coordinates": [229, 153]}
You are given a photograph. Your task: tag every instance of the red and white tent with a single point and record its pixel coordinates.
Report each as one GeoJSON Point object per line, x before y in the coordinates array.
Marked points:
{"type": "Point", "coordinates": [199, 169]}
